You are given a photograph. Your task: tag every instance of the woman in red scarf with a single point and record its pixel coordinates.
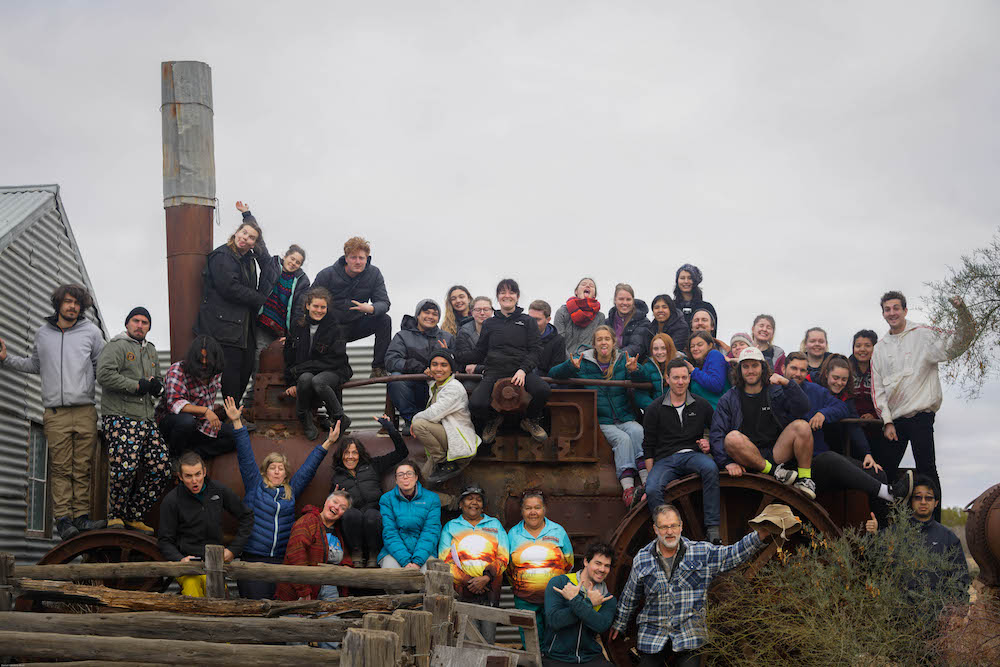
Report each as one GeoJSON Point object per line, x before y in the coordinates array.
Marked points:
{"type": "Point", "coordinates": [579, 318]}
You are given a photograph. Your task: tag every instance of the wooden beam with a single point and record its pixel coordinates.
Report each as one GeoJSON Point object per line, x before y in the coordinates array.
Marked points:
{"type": "Point", "coordinates": [166, 651]}
{"type": "Point", "coordinates": [157, 625]}
{"type": "Point", "coordinates": [6, 577]}
{"type": "Point", "coordinates": [516, 617]}
{"type": "Point", "coordinates": [215, 577]}
{"type": "Point", "coordinates": [417, 633]}
{"type": "Point", "coordinates": [78, 571]}
{"type": "Point", "coordinates": [96, 663]}
{"type": "Point", "coordinates": [371, 648]}
{"type": "Point", "coordinates": [139, 601]}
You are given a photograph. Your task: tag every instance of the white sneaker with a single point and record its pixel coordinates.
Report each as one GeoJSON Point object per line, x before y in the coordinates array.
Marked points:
{"type": "Point", "coordinates": [807, 487]}
{"type": "Point", "coordinates": [785, 475]}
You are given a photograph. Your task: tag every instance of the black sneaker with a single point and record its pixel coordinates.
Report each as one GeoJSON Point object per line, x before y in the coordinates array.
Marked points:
{"type": "Point", "coordinates": [308, 426]}
{"type": "Point", "coordinates": [490, 430]}
{"type": "Point", "coordinates": [902, 489]}
{"type": "Point", "coordinates": [66, 529]}
{"type": "Point", "coordinates": [443, 472]}
{"type": "Point", "coordinates": [83, 523]}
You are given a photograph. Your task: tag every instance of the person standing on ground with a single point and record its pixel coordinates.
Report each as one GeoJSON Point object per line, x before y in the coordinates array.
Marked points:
{"type": "Point", "coordinates": [129, 372]}
{"type": "Point", "coordinates": [65, 353]}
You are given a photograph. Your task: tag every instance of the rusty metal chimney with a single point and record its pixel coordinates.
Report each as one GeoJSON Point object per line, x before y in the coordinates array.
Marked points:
{"type": "Point", "coordinates": [188, 190]}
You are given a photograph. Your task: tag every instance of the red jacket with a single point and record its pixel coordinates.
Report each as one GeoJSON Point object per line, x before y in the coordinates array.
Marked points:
{"type": "Point", "coordinates": [307, 546]}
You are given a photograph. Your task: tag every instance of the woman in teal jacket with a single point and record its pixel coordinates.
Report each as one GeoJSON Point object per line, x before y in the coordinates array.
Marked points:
{"type": "Point", "coordinates": [411, 520]}
{"type": "Point", "coordinates": [654, 369]}
{"type": "Point", "coordinates": [614, 408]}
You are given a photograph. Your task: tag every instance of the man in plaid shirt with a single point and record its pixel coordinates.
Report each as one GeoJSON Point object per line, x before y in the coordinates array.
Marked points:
{"type": "Point", "coordinates": [673, 574]}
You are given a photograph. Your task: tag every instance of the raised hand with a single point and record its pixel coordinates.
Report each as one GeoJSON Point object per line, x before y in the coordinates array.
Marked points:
{"type": "Point", "coordinates": [233, 411]}
{"type": "Point", "coordinates": [631, 363]}
{"type": "Point", "coordinates": [443, 343]}
{"type": "Point", "coordinates": [333, 437]}
{"type": "Point", "coordinates": [596, 597]}
{"type": "Point", "coordinates": [576, 359]}
{"type": "Point", "coordinates": [568, 591]}
{"type": "Point", "coordinates": [362, 307]}
{"type": "Point", "coordinates": [871, 525]}
{"type": "Point", "coordinates": [241, 207]}
{"type": "Point", "coordinates": [427, 372]}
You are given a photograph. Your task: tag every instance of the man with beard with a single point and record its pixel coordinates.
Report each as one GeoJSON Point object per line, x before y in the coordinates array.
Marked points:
{"type": "Point", "coordinates": [65, 354]}
{"type": "Point", "coordinates": [673, 574]}
{"type": "Point", "coordinates": [578, 607]}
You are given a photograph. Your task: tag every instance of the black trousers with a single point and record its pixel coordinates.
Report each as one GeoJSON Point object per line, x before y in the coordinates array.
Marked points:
{"type": "Point", "coordinates": [257, 590]}
{"type": "Point", "coordinates": [181, 433]}
{"type": "Point", "coordinates": [596, 662]}
{"type": "Point", "coordinates": [831, 470]}
{"type": "Point", "coordinates": [363, 528]}
{"type": "Point", "coordinates": [479, 402]}
{"type": "Point", "coordinates": [918, 432]}
{"type": "Point", "coordinates": [681, 658]}
{"type": "Point", "coordinates": [238, 367]}
{"type": "Point", "coordinates": [365, 326]}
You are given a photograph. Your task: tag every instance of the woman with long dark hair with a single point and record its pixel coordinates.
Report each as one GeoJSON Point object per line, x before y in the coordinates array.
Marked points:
{"type": "Point", "coordinates": [654, 369]}
{"type": "Point", "coordinates": [666, 319]}
{"type": "Point", "coordinates": [457, 309]}
{"type": "Point", "coordinates": [688, 296]}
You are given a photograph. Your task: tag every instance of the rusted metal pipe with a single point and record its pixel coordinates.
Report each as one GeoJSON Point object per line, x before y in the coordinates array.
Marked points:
{"type": "Point", "coordinates": [188, 190]}
{"type": "Point", "coordinates": [575, 382]}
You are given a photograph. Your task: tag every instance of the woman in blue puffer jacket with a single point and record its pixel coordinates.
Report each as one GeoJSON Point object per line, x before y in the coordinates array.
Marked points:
{"type": "Point", "coordinates": [411, 520]}
{"type": "Point", "coordinates": [270, 492]}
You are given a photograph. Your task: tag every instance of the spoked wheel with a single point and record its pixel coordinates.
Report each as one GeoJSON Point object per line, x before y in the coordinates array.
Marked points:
{"type": "Point", "coordinates": [105, 546]}
{"type": "Point", "coordinates": [742, 498]}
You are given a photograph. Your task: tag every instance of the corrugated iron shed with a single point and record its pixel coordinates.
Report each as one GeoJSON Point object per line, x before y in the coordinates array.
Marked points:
{"type": "Point", "coordinates": [38, 252]}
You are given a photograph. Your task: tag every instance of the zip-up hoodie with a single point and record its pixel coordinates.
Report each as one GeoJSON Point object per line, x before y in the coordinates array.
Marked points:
{"type": "Point", "coordinates": [369, 285]}
{"type": "Point", "coordinates": [65, 360]}
{"type": "Point", "coordinates": [664, 434]}
{"type": "Point", "coordinates": [123, 362]}
{"type": "Point", "coordinates": [905, 370]}
{"type": "Point", "coordinates": [507, 343]}
{"type": "Point", "coordinates": [448, 405]}
{"type": "Point", "coordinates": [411, 349]}
{"type": "Point", "coordinates": [273, 514]}
{"type": "Point", "coordinates": [572, 626]}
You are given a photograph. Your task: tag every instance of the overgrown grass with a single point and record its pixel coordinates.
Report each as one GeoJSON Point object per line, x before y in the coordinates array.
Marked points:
{"type": "Point", "coordinates": [856, 600]}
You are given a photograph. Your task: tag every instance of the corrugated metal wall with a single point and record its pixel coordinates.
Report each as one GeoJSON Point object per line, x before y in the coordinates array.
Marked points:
{"type": "Point", "coordinates": [32, 265]}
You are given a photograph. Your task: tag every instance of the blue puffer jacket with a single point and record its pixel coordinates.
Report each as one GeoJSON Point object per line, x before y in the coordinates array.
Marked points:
{"type": "Point", "coordinates": [613, 404]}
{"type": "Point", "coordinates": [833, 409]}
{"type": "Point", "coordinates": [787, 403]}
{"type": "Point", "coordinates": [273, 514]}
{"type": "Point", "coordinates": [711, 381]}
{"type": "Point", "coordinates": [410, 528]}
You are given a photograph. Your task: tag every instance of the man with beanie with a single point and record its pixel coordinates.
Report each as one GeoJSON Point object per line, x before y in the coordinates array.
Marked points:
{"type": "Point", "coordinates": [738, 343]}
{"type": "Point", "coordinates": [65, 354]}
{"type": "Point", "coordinates": [130, 378]}
{"type": "Point", "coordinates": [444, 427]}
{"type": "Point", "coordinates": [410, 353]}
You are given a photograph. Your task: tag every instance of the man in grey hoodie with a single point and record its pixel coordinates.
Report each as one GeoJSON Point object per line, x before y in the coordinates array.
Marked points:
{"type": "Point", "coordinates": [65, 354]}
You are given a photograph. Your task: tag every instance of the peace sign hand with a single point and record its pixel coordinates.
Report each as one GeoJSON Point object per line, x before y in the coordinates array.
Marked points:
{"type": "Point", "coordinates": [631, 363]}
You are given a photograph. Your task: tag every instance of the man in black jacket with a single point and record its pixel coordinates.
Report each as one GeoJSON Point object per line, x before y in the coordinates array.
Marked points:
{"type": "Point", "coordinates": [674, 444]}
{"type": "Point", "coordinates": [409, 353]}
{"type": "Point", "coordinates": [360, 300]}
{"type": "Point", "coordinates": [191, 517]}
{"type": "Point", "coordinates": [510, 346]}
{"type": "Point", "coordinates": [553, 346]}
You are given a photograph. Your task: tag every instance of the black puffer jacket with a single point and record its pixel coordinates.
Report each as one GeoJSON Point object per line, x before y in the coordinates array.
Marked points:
{"type": "Point", "coordinates": [366, 286]}
{"type": "Point", "coordinates": [508, 343]}
{"type": "Point", "coordinates": [676, 327]}
{"type": "Point", "coordinates": [411, 349]}
{"type": "Point", "coordinates": [230, 298]}
{"type": "Point", "coordinates": [638, 319]}
{"type": "Point", "coordinates": [327, 353]}
{"type": "Point", "coordinates": [465, 344]}
{"type": "Point", "coordinates": [365, 486]}
{"type": "Point", "coordinates": [188, 522]}
{"type": "Point", "coordinates": [553, 350]}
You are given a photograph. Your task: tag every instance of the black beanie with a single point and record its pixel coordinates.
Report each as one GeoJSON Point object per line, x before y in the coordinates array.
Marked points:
{"type": "Point", "coordinates": [139, 310]}
{"type": "Point", "coordinates": [445, 354]}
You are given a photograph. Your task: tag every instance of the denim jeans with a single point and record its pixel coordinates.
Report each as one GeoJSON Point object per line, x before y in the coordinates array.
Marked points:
{"type": "Point", "coordinates": [408, 398]}
{"type": "Point", "coordinates": [677, 465]}
{"type": "Point", "coordinates": [625, 439]}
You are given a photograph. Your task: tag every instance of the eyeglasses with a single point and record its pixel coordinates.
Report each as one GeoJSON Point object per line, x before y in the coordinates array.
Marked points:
{"type": "Point", "coordinates": [929, 499]}
{"type": "Point", "coordinates": [405, 474]}
{"type": "Point", "coordinates": [482, 310]}
{"type": "Point", "coordinates": [672, 526]}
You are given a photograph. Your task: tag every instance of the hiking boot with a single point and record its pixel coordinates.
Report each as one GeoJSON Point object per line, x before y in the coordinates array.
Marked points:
{"type": "Point", "coordinates": [308, 426]}
{"type": "Point", "coordinates": [806, 486]}
{"type": "Point", "coordinates": [490, 430]}
{"type": "Point", "coordinates": [534, 429]}
{"type": "Point", "coordinates": [785, 475]}
{"type": "Point", "coordinates": [902, 489]}
{"type": "Point", "coordinates": [378, 373]}
{"type": "Point", "coordinates": [140, 526]}
{"type": "Point", "coordinates": [443, 472]}
{"type": "Point", "coordinates": [712, 535]}
{"type": "Point", "coordinates": [66, 529]}
{"type": "Point", "coordinates": [83, 523]}
{"type": "Point", "coordinates": [116, 523]}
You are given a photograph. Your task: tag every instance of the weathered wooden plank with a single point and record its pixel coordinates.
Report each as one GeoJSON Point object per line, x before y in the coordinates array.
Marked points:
{"type": "Point", "coordinates": [453, 656]}
{"type": "Point", "coordinates": [417, 633]}
{"type": "Point", "coordinates": [167, 651]}
{"type": "Point", "coordinates": [516, 617]}
{"type": "Point", "coordinates": [156, 625]}
{"type": "Point", "coordinates": [6, 575]}
{"type": "Point", "coordinates": [215, 576]}
{"type": "Point", "coordinates": [368, 648]}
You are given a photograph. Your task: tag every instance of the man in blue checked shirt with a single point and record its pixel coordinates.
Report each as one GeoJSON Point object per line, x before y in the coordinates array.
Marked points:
{"type": "Point", "coordinates": [673, 574]}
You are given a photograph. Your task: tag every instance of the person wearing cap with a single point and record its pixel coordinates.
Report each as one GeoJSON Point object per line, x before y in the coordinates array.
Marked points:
{"type": "Point", "coordinates": [476, 547]}
{"type": "Point", "coordinates": [688, 296]}
{"type": "Point", "coordinates": [445, 427]}
{"type": "Point", "coordinates": [672, 575]}
{"type": "Point", "coordinates": [65, 352]}
{"type": "Point", "coordinates": [674, 444]}
{"type": "Point", "coordinates": [129, 372]}
{"type": "Point", "coordinates": [410, 353]}
{"type": "Point", "coordinates": [579, 607]}
{"type": "Point", "coordinates": [761, 423]}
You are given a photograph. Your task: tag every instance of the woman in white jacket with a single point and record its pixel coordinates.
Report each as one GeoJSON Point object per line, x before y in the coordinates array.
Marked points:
{"type": "Point", "coordinates": [444, 427]}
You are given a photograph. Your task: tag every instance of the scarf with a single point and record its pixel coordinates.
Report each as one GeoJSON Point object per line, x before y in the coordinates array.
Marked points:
{"type": "Point", "coordinates": [582, 311]}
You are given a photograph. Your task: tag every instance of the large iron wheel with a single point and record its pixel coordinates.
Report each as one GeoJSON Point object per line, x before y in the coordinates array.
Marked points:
{"type": "Point", "coordinates": [105, 546]}
{"type": "Point", "coordinates": [742, 498]}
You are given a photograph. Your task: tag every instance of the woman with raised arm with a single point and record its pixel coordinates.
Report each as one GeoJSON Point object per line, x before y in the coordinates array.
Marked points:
{"type": "Point", "coordinates": [270, 490]}
{"type": "Point", "coordinates": [577, 319]}
{"type": "Point", "coordinates": [614, 409]}
{"type": "Point", "coordinates": [763, 337]}
{"type": "Point", "coordinates": [360, 474]}
{"type": "Point", "coordinates": [231, 300]}
{"type": "Point", "coordinates": [687, 294]}
{"type": "Point", "coordinates": [285, 284]}
{"type": "Point", "coordinates": [709, 368]}
{"type": "Point", "coordinates": [411, 520]}
{"type": "Point", "coordinates": [457, 309]}
{"type": "Point", "coordinates": [654, 370]}
{"type": "Point", "coordinates": [666, 319]}
{"type": "Point", "coordinates": [814, 345]}
{"type": "Point", "coordinates": [627, 315]}
{"type": "Point", "coordinates": [316, 363]}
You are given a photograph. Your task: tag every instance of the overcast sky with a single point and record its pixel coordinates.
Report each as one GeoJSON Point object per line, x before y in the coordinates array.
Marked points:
{"type": "Point", "coordinates": [807, 156]}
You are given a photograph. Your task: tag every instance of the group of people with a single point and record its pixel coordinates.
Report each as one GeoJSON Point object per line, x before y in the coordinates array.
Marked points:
{"type": "Point", "coordinates": [740, 406]}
